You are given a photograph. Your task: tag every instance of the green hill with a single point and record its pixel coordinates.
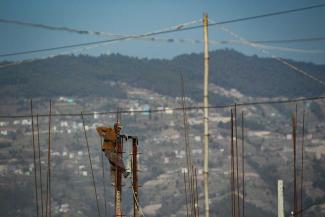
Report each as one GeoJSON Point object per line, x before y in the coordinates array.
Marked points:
{"type": "Point", "coordinates": [87, 76]}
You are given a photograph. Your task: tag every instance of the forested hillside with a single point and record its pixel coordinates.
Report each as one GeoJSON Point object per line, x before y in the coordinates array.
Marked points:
{"type": "Point", "coordinates": [86, 75]}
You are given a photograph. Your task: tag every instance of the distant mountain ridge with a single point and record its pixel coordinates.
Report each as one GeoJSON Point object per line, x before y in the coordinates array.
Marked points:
{"type": "Point", "coordinates": [86, 75]}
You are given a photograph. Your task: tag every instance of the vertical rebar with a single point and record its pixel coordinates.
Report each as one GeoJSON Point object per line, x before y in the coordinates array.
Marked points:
{"type": "Point", "coordinates": [193, 191]}
{"type": "Point", "coordinates": [187, 213]}
{"type": "Point", "coordinates": [48, 181]}
{"type": "Point", "coordinates": [243, 165]}
{"type": "Point", "coordinates": [294, 164]}
{"type": "Point", "coordinates": [34, 156]}
{"type": "Point", "coordinates": [187, 150]}
{"type": "Point", "coordinates": [237, 162]}
{"type": "Point", "coordinates": [197, 194]}
{"type": "Point", "coordinates": [103, 177]}
{"type": "Point", "coordinates": [232, 163]}
{"type": "Point", "coordinates": [302, 162]}
{"type": "Point", "coordinates": [39, 162]}
{"type": "Point", "coordinates": [90, 162]}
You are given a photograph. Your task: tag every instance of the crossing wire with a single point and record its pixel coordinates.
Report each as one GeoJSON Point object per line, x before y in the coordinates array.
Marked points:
{"type": "Point", "coordinates": [91, 165]}
{"type": "Point", "coordinates": [176, 28]}
{"type": "Point", "coordinates": [184, 40]}
{"type": "Point", "coordinates": [51, 56]}
{"type": "Point", "coordinates": [255, 45]}
{"type": "Point", "coordinates": [123, 38]}
{"type": "Point", "coordinates": [179, 40]}
{"type": "Point", "coordinates": [244, 104]}
{"type": "Point", "coordinates": [137, 203]}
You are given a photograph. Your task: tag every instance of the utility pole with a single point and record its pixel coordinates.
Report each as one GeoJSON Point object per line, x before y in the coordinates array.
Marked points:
{"type": "Point", "coordinates": [135, 186]}
{"type": "Point", "coordinates": [113, 149]}
{"type": "Point", "coordinates": [206, 115]}
{"type": "Point", "coordinates": [118, 181]}
{"type": "Point", "coordinates": [280, 199]}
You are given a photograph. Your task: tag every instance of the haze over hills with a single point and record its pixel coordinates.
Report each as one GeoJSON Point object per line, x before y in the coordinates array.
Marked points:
{"type": "Point", "coordinates": [107, 82]}
{"type": "Point", "coordinates": [88, 76]}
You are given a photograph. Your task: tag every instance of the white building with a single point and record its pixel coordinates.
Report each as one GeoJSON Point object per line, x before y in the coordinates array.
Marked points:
{"type": "Point", "coordinates": [4, 132]}
{"type": "Point", "coordinates": [3, 123]}
{"type": "Point", "coordinates": [169, 111]}
{"type": "Point", "coordinates": [197, 151]}
{"type": "Point", "coordinates": [64, 123]}
{"type": "Point", "coordinates": [26, 122]}
{"type": "Point", "coordinates": [197, 138]}
{"type": "Point", "coordinates": [64, 208]}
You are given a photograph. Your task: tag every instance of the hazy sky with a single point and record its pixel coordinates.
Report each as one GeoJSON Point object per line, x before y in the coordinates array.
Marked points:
{"type": "Point", "coordinates": [140, 16]}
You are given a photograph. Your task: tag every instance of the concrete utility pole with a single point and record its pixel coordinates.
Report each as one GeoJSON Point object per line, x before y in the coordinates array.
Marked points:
{"type": "Point", "coordinates": [280, 199]}
{"type": "Point", "coordinates": [206, 115]}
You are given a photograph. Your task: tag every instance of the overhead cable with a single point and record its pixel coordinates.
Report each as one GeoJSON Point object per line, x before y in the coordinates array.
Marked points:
{"type": "Point", "coordinates": [269, 102]}
{"type": "Point", "coordinates": [285, 62]}
{"type": "Point", "coordinates": [125, 37]}
{"type": "Point", "coordinates": [176, 28]}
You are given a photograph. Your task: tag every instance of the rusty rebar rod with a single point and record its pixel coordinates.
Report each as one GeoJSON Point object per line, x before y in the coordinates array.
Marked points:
{"type": "Point", "coordinates": [187, 211]}
{"type": "Point", "coordinates": [294, 164]}
{"type": "Point", "coordinates": [302, 162]}
{"type": "Point", "coordinates": [237, 162]}
{"type": "Point", "coordinates": [243, 165]}
{"type": "Point", "coordinates": [34, 156]}
{"type": "Point", "coordinates": [40, 163]}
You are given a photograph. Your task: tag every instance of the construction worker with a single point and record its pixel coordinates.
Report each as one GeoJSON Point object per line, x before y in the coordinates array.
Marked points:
{"type": "Point", "coordinates": [109, 147]}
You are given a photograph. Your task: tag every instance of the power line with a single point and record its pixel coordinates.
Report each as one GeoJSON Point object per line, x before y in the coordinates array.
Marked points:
{"type": "Point", "coordinates": [182, 40]}
{"type": "Point", "coordinates": [258, 46]}
{"type": "Point", "coordinates": [278, 41]}
{"type": "Point", "coordinates": [155, 39]}
{"type": "Point", "coordinates": [268, 15]}
{"type": "Point", "coordinates": [124, 37]}
{"type": "Point", "coordinates": [176, 28]}
{"type": "Point", "coordinates": [50, 56]}
{"type": "Point", "coordinates": [270, 102]}
{"type": "Point", "coordinates": [49, 27]}
{"type": "Point", "coordinates": [196, 41]}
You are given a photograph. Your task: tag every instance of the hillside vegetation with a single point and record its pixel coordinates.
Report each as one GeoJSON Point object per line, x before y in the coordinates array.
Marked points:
{"type": "Point", "coordinates": [88, 76]}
